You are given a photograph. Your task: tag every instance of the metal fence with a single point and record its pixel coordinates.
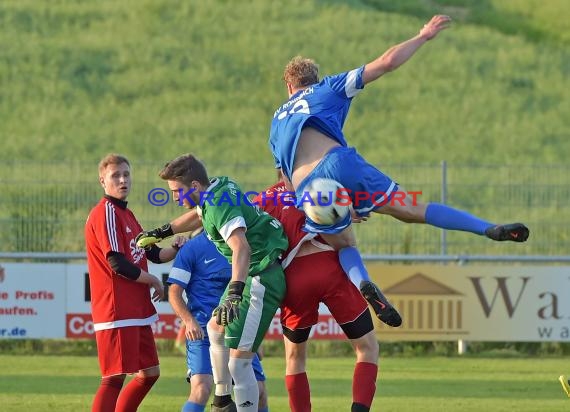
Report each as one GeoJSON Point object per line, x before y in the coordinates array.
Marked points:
{"type": "Point", "coordinates": [43, 206]}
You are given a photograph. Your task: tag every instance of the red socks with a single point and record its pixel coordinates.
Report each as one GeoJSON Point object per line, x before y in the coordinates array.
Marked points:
{"type": "Point", "coordinates": [107, 394]}
{"type": "Point", "coordinates": [299, 392]}
{"type": "Point", "coordinates": [364, 383]}
{"type": "Point", "coordinates": [134, 393]}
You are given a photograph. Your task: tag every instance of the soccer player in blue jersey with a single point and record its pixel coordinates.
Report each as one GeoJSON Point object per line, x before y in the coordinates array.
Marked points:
{"type": "Point", "coordinates": [203, 274]}
{"type": "Point", "coordinates": [307, 142]}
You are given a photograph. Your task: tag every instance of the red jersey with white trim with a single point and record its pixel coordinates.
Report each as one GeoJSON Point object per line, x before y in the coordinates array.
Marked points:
{"type": "Point", "coordinates": [277, 202]}
{"type": "Point", "coordinates": [115, 300]}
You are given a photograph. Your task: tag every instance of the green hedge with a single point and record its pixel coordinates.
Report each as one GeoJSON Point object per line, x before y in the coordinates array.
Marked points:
{"type": "Point", "coordinates": [87, 347]}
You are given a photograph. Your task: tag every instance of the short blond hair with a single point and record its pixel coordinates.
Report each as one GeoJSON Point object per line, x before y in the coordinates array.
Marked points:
{"type": "Point", "coordinates": [112, 159]}
{"type": "Point", "coordinates": [301, 72]}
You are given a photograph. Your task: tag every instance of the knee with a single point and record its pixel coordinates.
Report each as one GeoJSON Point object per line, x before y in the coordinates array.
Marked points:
{"type": "Point", "coordinates": [340, 240]}
{"type": "Point", "coordinates": [367, 349]}
{"type": "Point", "coordinates": [296, 360]}
{"type": "Point", "coordinates": [150, 373]}
{"type": "Point", "coordinates": [213, 328]}
{"type": "Point", "coordinates": [294, 355]}
{"type": "Point", "coordinates": [115, 381]}
{"type": "Point", "coordinates": [408, 214]}
{"type": "Point", "coordinates": [200, 392]}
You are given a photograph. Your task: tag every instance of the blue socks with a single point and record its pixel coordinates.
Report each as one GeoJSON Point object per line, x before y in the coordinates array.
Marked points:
{"type": "Point", "coordinates": [352, 264]}
{"type": "Point", "coordinates": [446, 217]}
{"type": "Point", "coordinates": [193, 407]}
{"type": "Point", "coordinates": [263, 410]}
{"type": "Point", "coordinates": [438, 215]}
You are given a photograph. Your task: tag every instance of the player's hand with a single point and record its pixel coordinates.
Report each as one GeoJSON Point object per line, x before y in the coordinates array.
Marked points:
{"type": "Point", "coordinates": [193, 330]}
{"type": "Point", "coordinates": [158, 292]}
{"type": "Point", "coordinates": [148, 238]}
{"type": "Point", "coordinates": [356, 218]}
{"type": "Point", "coordinates": [178, 242]}
{"type": "Point", "coordinates": [228, 310]}
{"type": "Point", "coordinates": [434, 26]}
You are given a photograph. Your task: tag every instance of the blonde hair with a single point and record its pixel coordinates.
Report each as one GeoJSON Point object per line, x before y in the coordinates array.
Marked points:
{"type": "Point", "coordinates": [112, 159]}
{"type": "Point", "coordinates": [301, 72]}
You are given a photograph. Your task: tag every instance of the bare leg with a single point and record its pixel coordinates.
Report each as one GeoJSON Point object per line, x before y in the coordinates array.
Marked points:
{"type": "Point", "coordinates": [407, 209]}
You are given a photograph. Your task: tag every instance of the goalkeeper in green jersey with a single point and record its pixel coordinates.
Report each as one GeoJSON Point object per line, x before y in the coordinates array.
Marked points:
{"type": "Point", "coordinates": [253, 242]}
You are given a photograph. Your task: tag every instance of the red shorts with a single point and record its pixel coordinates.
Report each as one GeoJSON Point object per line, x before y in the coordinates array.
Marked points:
{"type": "Point", "coordinates": [319, 278]}
{"type": "Point", "coordinates": [126, 350]}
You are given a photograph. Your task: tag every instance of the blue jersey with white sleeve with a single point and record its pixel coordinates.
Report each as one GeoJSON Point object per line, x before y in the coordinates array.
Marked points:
{"type": "Point", "coordinates": [323, 106]}
{"type": "Point", "coordinates": [203, 273]}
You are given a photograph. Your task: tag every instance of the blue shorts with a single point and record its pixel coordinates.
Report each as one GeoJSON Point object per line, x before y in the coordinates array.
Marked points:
{"type": "Point", "coordinates": [368, 188]}
{"type": "Point", "coordinates": [198, 359]}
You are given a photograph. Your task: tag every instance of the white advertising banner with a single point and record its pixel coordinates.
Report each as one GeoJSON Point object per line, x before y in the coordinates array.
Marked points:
{"type": "Point", "coordinates": [78, 322]}
{"type": "Point", "coordinates": [437, 302]}
{"type": "Point", "coordinates": [32, 301]}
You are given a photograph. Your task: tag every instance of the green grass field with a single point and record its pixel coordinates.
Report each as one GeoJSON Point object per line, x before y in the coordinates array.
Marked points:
{"type": "Point", "coordinates": [65, 384]}
{"type": "Point", "coordinates": [152, 79]}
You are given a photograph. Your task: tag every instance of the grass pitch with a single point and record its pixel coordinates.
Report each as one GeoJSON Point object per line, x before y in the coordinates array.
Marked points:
{"type": "Point", "coordinates": [66, 384]}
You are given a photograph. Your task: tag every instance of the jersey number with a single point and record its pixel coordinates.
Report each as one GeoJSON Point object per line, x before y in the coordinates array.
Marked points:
{"type": "Point", "coordinates": [302, 106]}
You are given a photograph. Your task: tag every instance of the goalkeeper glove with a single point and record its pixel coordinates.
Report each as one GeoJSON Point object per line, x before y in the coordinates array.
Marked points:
{"type": "Point", "coordinates": [228, 310]}
{"type": "Point", "coordinates": [146, 239]}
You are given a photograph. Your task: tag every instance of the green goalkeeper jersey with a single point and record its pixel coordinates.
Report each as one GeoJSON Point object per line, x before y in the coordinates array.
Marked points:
{"type": "Point", "coordinates": [225, 208]}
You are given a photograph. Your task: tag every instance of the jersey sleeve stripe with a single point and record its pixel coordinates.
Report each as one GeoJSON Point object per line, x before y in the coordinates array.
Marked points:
{"type": "Point", "coordinates": [181, 275]}
{"type": "Point", "coordinates": [232, 225]}
{"type": "Point", "coordinates": [173, 281]}
{"type": "Point", "coordinates": [111, 227]}
{"type": "Point", "coordinates": [350, 87]}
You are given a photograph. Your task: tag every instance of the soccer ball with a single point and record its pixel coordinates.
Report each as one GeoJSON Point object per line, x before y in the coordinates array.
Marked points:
{"type": "Point", "coordinates": [322, 204]}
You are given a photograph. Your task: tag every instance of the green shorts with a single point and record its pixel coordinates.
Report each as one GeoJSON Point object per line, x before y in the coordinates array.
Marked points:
{"type": "Point", "coordinates": [262, 296]}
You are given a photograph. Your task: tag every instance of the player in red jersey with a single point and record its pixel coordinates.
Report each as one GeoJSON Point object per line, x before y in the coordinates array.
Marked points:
{"type": "Point", "coordinates": [121, 304]}
{"type": "Point", "coordinates": [313, 274]}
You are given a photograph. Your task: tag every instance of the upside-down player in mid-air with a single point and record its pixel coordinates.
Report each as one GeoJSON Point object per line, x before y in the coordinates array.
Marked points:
{"type": "Point", "coordinates": [307, 142]}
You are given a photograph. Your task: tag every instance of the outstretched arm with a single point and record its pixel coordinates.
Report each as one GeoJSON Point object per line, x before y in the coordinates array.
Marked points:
{"type": "Point", "coordinates": [188, 222]}
{"type": "Point", "coordinates": [397, 55]}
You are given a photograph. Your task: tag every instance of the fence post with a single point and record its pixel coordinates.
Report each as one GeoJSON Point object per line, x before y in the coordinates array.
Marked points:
{"type": "Point", "coordinates": [444, 201]}
{"type": "Point", "coordinates": [461, 344]}
{"type": "Point", "coordinates": [461, 347]}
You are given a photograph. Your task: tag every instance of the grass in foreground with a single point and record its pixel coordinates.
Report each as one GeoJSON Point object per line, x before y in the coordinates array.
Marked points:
{"type": "Point", "coordinates": [66, 384]}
